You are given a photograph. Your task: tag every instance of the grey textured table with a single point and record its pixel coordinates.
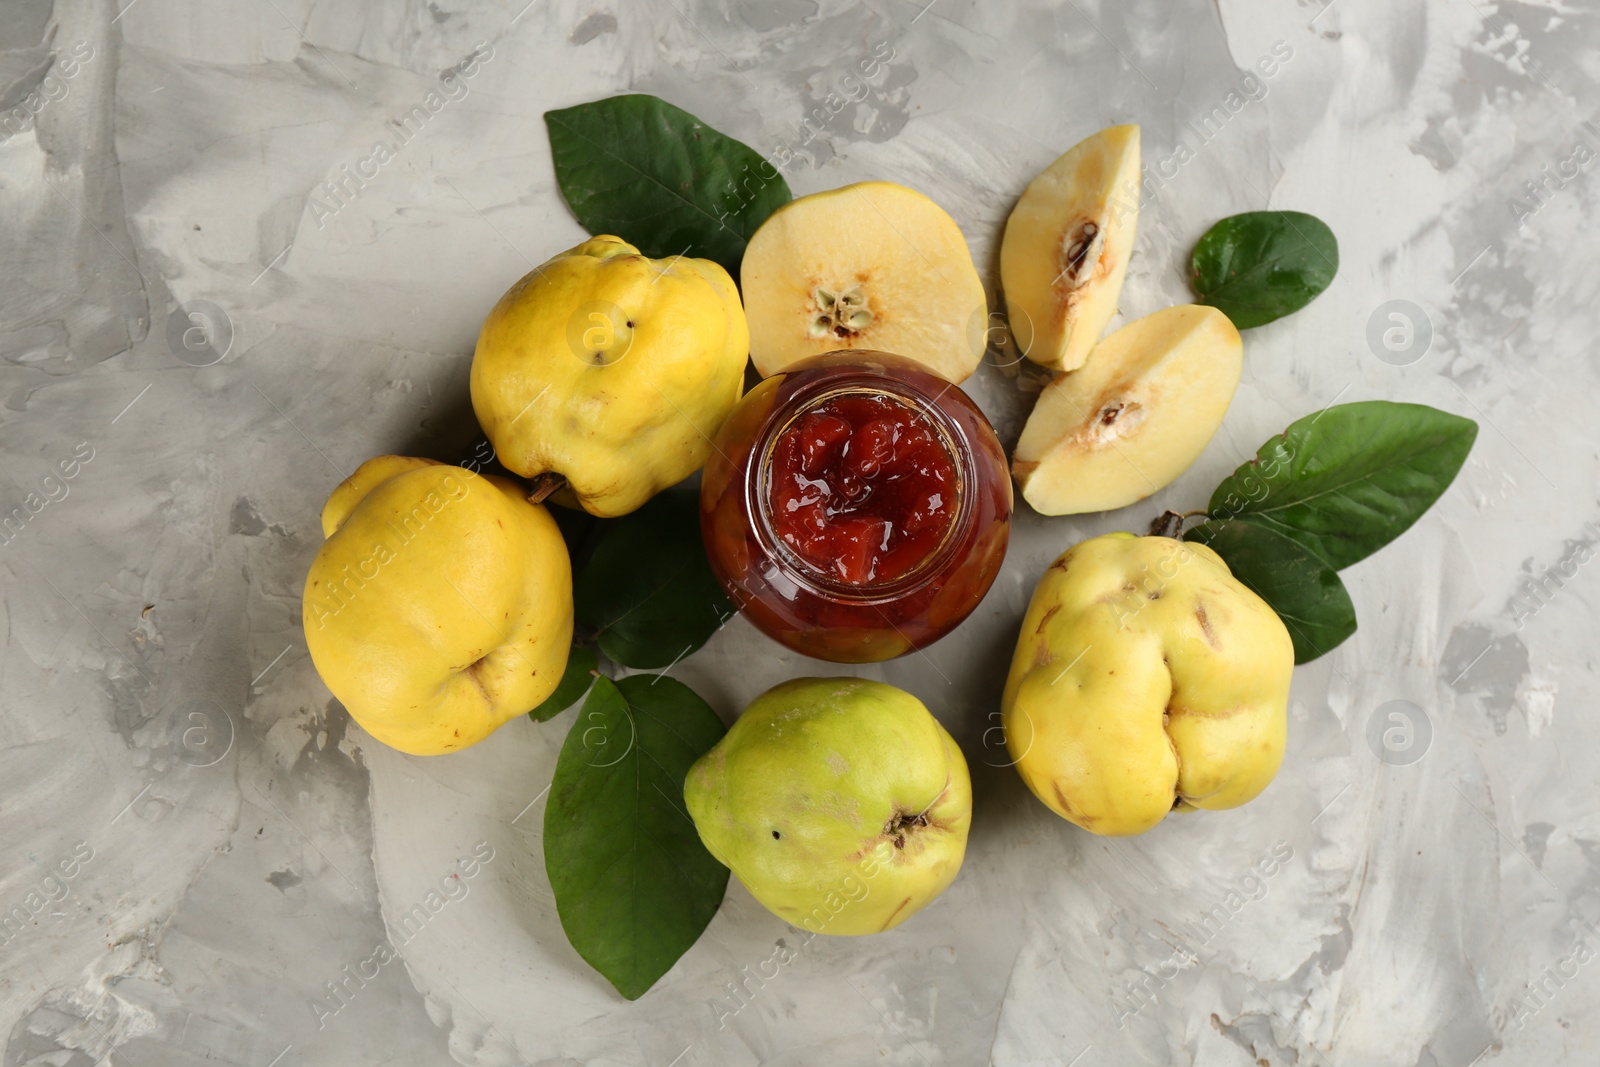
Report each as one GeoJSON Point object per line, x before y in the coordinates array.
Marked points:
{"type": "Point", "coordinates": [241, 855]}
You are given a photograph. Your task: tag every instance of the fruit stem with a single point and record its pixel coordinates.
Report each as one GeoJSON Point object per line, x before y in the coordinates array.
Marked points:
{"type": "Point", "coordinates": [1170, 524]}
{"type": "Point", "coordinates": [543, 486]}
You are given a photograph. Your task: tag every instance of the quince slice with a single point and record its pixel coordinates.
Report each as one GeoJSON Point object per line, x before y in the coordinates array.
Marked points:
{"type": "Point", "coordinates": [1067, 245]}
{"type": "Point", "coordinates": [872, 265]}
{"type": "Point", "coordinates": [1135, 417]}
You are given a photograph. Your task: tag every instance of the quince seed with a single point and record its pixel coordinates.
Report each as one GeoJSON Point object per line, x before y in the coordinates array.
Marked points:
{"type": "Point", "coordinates": [1080, 241]}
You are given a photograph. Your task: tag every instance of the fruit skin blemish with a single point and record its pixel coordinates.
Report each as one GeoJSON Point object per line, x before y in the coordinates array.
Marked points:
{"type": "Point", "coordinates": [856, 507]}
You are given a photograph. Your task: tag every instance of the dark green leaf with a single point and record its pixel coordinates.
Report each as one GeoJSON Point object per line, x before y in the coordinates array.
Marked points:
{"type": "Point", "coordinates": [1349, 479]}
{"type": "Point", "coordinates": [1305, 592]}
{"type": "Point", "coordinates": [659, 178]}
{"type": "Point", "coordinates": [575, 682]}
{"type": "Point", "coordinates": [1262, 265]}
{"type": "Point", "coordinates": [648, 591]}
{"type": "Point", "coordinates": [634, 886]}
{"type": "Point", "coordinates": [578, 529]}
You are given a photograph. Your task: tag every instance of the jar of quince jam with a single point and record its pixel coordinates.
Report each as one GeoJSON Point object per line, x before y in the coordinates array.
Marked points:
{"type": "Point", "coordinates": [856, 507]}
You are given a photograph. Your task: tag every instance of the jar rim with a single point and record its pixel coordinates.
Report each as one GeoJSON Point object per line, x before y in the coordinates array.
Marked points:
{"type": "Point", "coordinates": [758, 483]}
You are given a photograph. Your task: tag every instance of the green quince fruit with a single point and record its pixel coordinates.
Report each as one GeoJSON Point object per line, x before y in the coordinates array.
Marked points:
{"type": "Point", "coordinates": [1147, 678]}
{"type": "Point", "coordinates": [840, 803]}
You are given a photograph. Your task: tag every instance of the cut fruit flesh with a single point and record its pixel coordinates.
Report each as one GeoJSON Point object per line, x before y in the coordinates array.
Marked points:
{"type": "Point", "coordinates": [1066, 248]}
{"type": "Point", "coordinates": [872, 265]}
{"type": "Point", "coordinates": [1135, 417]}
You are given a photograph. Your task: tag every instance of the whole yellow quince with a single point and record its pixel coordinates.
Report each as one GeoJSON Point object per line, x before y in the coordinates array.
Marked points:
{"type": "Point", "coordinates": [841, 804]}
{"type": "Point", "coordinates": [612, 371]}
{"type": "Point", "coordinates": [1147, 678]}
{"type": "Point", "coordinates": [440, 605]}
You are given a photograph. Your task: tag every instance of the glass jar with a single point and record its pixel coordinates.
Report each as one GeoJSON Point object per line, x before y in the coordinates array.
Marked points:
{"type": "Point", "coordinates": [856, 507]}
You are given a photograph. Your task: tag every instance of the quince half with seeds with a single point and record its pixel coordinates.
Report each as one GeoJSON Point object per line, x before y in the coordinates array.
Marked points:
{"type": "Point", "coordinates": [873, 265]}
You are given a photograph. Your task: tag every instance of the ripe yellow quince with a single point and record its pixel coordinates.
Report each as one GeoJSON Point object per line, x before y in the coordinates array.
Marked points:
{"type": "Point", "coordinates": [1146, 678]}
{"type": "Point", "coordinates": [841, 804]}
{"type": "Point", "coordinates": [440, 605]}
{"type": "Point", "coordinates": [610, 370]}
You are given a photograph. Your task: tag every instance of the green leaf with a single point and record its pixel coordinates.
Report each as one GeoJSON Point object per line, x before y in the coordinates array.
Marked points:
{"type": "Point", "coordinates": [1261, 265]}
{"type": "Point", "coordinates": [648, 590]}
{"type": "Point", "coordinates": [1349, 479]}
{"type": "Point", "coordinates": [662, 180]}
{"type": "Point", "coordinates": [634, 886]}
{"type": "Point", "coordinates": [578, 530]}
{"type": "Point", "coordinates": [1305, 592]}
{"type": "Point", "coordinates": [575, 682]}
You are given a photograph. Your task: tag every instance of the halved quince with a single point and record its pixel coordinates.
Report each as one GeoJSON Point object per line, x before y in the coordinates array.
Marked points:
{"type": "Point", "coordinates": [1135, 417]}
{"type": "Point", "coordinates": [1067, 245]}
{"type": "Point", "coordinates": [872, 265]}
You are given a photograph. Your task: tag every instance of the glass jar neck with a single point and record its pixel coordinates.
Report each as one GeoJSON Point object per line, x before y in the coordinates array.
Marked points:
{"type": "Point", "coordinates": [786, 417]}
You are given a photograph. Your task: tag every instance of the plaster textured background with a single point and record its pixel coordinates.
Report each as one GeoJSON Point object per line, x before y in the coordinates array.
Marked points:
{"type": "Point", "coordinates": [236, 843]}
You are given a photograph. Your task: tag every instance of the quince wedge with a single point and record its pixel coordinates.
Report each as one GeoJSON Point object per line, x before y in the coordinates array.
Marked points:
{"type": "Point", "coordinates": [1146, 678]}
{"type": "Point", "coordinates": [440, 605]}
{"type": "Point", "coordinates": [872, 265]}
{"type": "Point", "coordinates": [1066, 248]}
{"type": "Point", "coordinates": [1135, 417]}
{"type": "Point", "coordinates": [610, 372]}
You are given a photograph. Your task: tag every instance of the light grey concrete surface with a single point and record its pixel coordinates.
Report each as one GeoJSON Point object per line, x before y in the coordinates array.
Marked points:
{"type": "Point", "coordinates": [235, 844]}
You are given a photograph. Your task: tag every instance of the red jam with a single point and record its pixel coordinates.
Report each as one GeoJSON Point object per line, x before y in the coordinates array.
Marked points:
{"type": "Point", "coordinates": [856, 506]}
{"type": "Point", "coordinates": [862, 487]}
